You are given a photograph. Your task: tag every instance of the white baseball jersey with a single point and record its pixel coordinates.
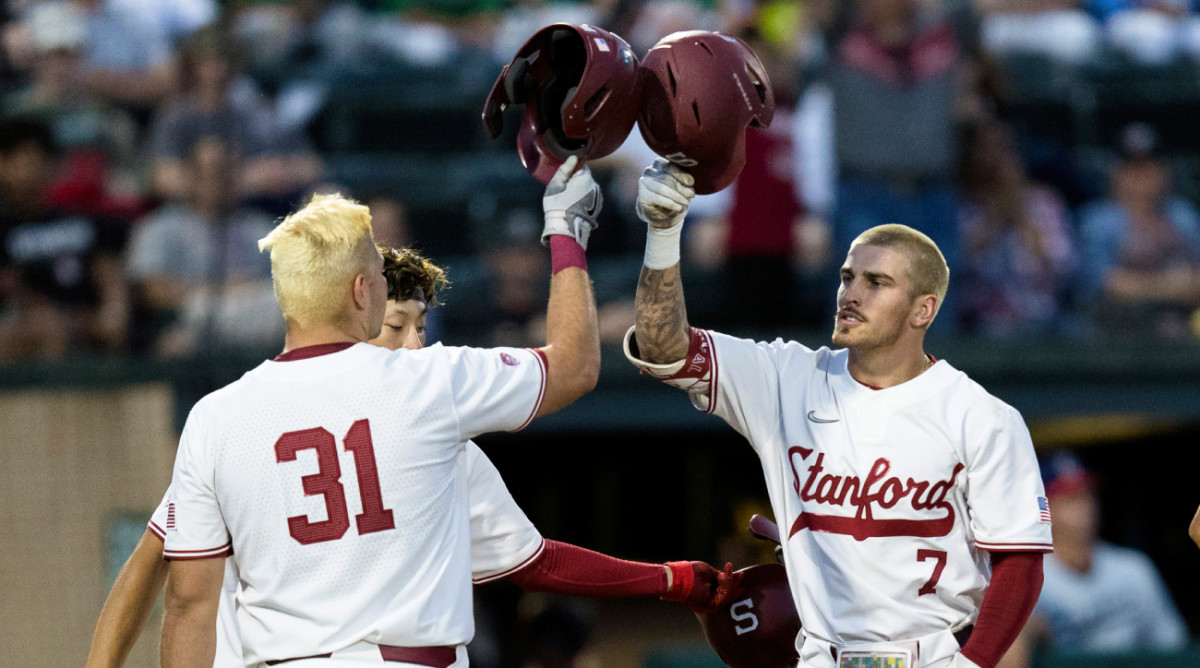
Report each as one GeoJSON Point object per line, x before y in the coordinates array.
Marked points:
{"type": "Point", "coordinates": [229, 639]}
{"type": "Point", "coordinates": [887, 500]}
{"type": "Point", "coordinates": [273, 466]}
{"type": "Point", "coordinates": [503, 541]}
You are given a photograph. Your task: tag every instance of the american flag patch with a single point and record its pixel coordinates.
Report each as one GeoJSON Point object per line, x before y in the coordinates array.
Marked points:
{"type": "Point", "coordinates": [1044, 509]}
{"type": "Point", "coordinates": [170, 515]}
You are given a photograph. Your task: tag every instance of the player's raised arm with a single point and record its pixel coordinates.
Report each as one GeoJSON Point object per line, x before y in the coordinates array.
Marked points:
{"type": "Point", "coordinates": [661, 327]}
{"type": "Point", "coordinates": [571, 203]}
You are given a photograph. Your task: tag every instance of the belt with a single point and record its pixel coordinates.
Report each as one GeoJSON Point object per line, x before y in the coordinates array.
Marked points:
{"type": "Point", "coordinates": [434, 657]}
{"type": "Point", "coordinates": [924, 651]}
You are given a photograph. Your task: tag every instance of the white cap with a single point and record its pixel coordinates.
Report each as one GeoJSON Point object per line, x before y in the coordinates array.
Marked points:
{"type": "Point", "coordinates": [55, 25]}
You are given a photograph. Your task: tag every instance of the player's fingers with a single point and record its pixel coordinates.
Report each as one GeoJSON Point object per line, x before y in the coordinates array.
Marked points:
{"type": "Point", "coordinates": [681, 175]}
{"type": "Point", "coordinates": [663, 191]}
{"type": "Point", "coordinates": [564, 171]}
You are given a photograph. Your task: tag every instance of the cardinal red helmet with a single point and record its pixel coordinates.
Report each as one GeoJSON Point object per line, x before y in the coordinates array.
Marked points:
{"type": "Point", "coordinates": [579, 88]}
{"type": "Point", "coordinates": [758, 627]}
{"type": "Point", "coordinates": [700, 91]}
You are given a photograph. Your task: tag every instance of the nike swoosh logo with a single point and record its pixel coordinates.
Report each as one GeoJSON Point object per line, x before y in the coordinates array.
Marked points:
{"type": "Point", "coordinates": [812, 416]}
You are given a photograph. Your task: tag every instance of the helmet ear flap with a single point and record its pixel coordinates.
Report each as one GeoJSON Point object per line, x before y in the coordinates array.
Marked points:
{"type": "Point", "coordinates": [519, 84]}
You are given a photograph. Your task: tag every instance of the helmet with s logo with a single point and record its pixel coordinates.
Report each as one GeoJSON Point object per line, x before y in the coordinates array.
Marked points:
{"type": "Point", "coordinates": [758, 627]}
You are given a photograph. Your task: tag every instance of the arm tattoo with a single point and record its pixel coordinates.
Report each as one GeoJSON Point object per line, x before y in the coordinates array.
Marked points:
{"type": "Point", "coordinates": [662, 328]}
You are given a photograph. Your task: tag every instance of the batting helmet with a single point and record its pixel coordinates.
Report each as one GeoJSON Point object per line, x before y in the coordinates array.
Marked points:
{"type": "Point", "coordinates": [758, 627]}
{"type": "Point", "coordinates": [579, 88]}
{"type": "Point", "coordinates": [700, 90]}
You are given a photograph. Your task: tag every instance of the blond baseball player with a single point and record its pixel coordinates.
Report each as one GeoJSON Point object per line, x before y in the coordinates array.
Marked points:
{"type": "Point", "coordinates": [331, 472]}
{"type": "Point", "coordinates": [912, 513]}
{"type": "Point", "coordinates": [504, 543]}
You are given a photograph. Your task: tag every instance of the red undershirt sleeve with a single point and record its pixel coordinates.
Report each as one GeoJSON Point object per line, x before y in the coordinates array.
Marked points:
{"type": "Point", "coordinates": [571, 570]}
{"type": "Point", "coordinates": [1016, 584]}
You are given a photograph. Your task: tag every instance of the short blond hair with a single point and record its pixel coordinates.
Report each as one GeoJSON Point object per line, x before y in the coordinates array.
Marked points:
{"type": "Point", "coordinates": [927, 270]}
{"type": "Point", "coordinates": [315, 254]}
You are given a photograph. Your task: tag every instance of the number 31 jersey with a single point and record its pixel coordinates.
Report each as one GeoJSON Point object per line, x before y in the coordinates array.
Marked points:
{"type": "Point", "coordinates": [335, 483]}
{"type": "Point", "coordinates": [887, 500]}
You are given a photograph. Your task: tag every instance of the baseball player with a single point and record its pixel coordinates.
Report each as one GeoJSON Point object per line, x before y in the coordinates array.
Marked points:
{"type": "Point", "coordinates": [504, 543]}
{"type": "Point", "coordinates": [913, 515]}
{"type": "Point", "coordinates": [272, 467]}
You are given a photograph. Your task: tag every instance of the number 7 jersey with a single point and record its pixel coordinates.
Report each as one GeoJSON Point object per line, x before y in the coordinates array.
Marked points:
{"type": "Point", "coordinates": [887, 500]}
{"type": "Point", "coordinates": [334, 482]}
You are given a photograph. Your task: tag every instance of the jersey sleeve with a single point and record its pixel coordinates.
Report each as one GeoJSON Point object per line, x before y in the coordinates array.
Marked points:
{"type": "Point", "coordinates": [496, 389]}
{"type": "Point", "coordinates": [158, 520]}
{"type": "Point", "coordinates": [503, 540]}
{"type": "Point", "coordinates": [733, 378]}
{"type": "Point", "coordinates": [1005, 495]}
{"type": "Point", "coordinates": [194, 527]}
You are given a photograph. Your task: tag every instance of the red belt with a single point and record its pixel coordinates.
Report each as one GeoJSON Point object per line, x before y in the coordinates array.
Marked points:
{"type": "Point", "coordinates": [434, 657]}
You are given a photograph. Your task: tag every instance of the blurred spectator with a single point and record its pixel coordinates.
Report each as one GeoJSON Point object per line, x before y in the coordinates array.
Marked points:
{"type": "Point", "coordinates": [1018, 252]}
{"type": "Point", "coordinates": [501, 297]}
{"type": "Point", "coordinates": [125, 60]}
{"type": "Point", "coordinates": [1142, 246]}
{"type": "Point", "coordinates": [895, 71]}
{"type": "Point", "coordinates": [196, 269]}
{"type": "Point", "coordinates": [1059, 29]}
{"type": "Point", "coordinates": [99, 141]}
{"type": "Point", "coordinates": [274, 165]}
{"type": "Point", "coordinates": [61, 286]}
{"type": "Point", "coordinates": [1148, 31]}
{"type": "Point", "coordinates": [174, 18]}
{"type": "Point", "coordinates": [1097, 597]}
{"type": "Point", "coordinates": [555, 632]}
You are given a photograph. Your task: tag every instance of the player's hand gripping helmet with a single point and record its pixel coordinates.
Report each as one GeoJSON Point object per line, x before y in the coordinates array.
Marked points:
{"type": "Point", "coordinates": [579, 88]}
{"type": "Point", "coordinates": [757, 628]}
{"type": "Point", "coordinates": [700, 90]}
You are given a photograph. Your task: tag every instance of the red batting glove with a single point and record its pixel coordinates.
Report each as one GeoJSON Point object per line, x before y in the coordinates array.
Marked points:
{"type": "Point", "coordinates": [700, 586]}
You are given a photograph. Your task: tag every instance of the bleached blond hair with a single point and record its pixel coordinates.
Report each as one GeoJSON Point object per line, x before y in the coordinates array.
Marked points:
{"type": "Point", "coordinates": [315, 254]}
{"type": "Point", "coordinates": [927, 270]}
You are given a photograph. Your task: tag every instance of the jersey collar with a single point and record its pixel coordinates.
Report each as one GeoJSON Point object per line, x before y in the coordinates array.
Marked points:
{"type": "Point", "coordinates": [308, 352]}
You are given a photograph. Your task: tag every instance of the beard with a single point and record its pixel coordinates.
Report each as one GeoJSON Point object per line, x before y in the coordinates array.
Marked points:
{"type": "Point", "coordinates": [867, 336]}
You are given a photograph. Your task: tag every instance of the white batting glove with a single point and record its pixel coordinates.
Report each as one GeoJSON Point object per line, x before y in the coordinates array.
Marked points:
{"type": "Point", "coordinates": [571, 203]}
{"type": "Point", "coordinates": [664, 192]}
{"type": "Point", "coordinates": [960, 661]}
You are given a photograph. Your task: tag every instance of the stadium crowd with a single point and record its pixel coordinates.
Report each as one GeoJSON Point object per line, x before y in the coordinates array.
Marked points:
{"type": "Point", "coordinates": [144, 145]}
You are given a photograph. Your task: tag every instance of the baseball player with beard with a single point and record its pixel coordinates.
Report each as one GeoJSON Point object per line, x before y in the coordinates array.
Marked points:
{"type": "Point", "coordinates": [271, 468]}
{"type": "Point", "coordinates": [504, 543]}
{"type": "Point", "coordinates": [912, 512]}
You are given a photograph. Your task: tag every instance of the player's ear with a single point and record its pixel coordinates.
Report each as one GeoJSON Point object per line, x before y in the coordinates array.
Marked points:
{"type": "Point", "coordinates": [358, 291]}
{"type": "Point", "coordinates": [924, 308]}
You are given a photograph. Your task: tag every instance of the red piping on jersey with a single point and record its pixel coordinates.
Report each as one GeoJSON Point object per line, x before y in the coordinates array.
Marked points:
{"type": "Point", "coordinates": [544, 365]}
{"type": "Point", "coordinates": [503, 574]}
{"type": "Point", "coordinates": [186, 555]}
{"type": "Point", "coordinates": [313, 351]}
{"type": "Point", "coordinates": [156, 530]}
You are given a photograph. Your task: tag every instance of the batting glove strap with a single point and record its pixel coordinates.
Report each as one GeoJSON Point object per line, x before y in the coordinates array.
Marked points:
{"type": "Point", "coordinates": [571, 204]}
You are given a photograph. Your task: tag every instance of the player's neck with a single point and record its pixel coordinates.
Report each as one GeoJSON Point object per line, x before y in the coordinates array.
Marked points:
{"type": "Point", "coordinates": [315, 336]}
{"type": "Point", "coordinates": [887, 367]}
